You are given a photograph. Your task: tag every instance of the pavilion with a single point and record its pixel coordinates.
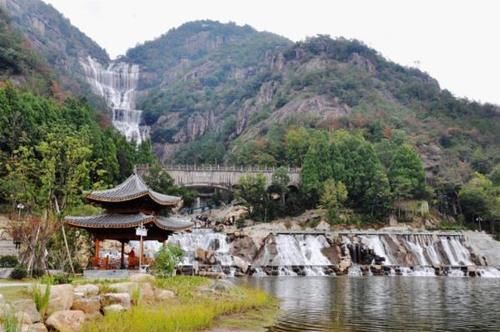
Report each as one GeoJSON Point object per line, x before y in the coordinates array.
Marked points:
{"type": "Point", "coordinates": [131, 208]}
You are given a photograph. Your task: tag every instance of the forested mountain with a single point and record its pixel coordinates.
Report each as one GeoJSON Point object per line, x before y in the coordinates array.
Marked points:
{"type": "Point", "coordinates": [54, 38]}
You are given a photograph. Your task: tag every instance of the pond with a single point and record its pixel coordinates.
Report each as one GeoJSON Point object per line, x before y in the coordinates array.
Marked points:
{"type": "Point", "coordinates": [384, 303]}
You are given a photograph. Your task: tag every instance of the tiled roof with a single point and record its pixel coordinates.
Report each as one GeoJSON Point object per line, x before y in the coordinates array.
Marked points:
{"type": "Point", "coordinates": [132, 188]}
{"type": "Point", "coordinates": [128, 221]}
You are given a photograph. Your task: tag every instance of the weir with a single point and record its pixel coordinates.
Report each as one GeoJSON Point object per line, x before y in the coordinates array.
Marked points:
{"type": "Point", "coordinates": [356, 253]}
{"type": "Point", "coordinates": [117, 84]}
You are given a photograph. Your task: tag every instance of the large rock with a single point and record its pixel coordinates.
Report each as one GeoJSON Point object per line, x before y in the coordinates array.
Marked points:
{"type": "Point", "coordinates": [116, 298]}
{"type": "Point", "coordinates": [145, 289]}
{"type": "Point", "coordinates": [87, 290]}
{"type": "Point", "coordinates": [241, 264]}
{"type": "Point", "coordinates": [93, 316]}
{"type": "Point", "coordinates": [113, 308]}
{"type": "Point", "coordinates": [28, 307]}
{"type": "Point", "coordinates": [87, 305]}
{"type": "Point", "coordinates": [38, 327]}
{"type": "Point", "coordinates": [23, 318]}
{"type": "Point", "coordinates": [66, 320]}
{"type": "Point", "coordinates": [163, 294]}
{"type": "Point", "coordinates": [61, 297]}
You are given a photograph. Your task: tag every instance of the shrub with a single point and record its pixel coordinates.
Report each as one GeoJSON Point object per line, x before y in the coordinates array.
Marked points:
{"type": "Point", "coordinates": [41, 298]}
{"type": "Point", "coordinates": [135, 297]}
{"type": "Point", "coordinates": [166, 259]}
{"type": "Point", "coordinates": [19, 272]}
{"type": "Point", "coordinates": [8, 261]}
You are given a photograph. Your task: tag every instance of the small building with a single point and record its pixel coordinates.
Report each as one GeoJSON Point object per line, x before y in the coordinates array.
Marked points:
{"type": "Point", "coordinates": [131, 209]}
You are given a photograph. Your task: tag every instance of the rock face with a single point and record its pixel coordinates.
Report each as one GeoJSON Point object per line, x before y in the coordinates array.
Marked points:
{"type": "Point", "coordinates": [66, 320]}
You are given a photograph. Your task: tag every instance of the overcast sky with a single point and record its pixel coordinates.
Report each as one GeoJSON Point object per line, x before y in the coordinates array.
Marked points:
{"type": "Point", "coordinates": [455, 41]}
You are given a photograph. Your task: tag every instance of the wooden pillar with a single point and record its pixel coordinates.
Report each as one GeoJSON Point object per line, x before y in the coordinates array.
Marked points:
{"type": "Point", "coordinates": [122, 258]}
{"type": "Point", "coordinates": [97, 247]}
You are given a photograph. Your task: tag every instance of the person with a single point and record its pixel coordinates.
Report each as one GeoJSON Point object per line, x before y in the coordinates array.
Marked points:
{"type": "Point", "coordinates": [131, 254]}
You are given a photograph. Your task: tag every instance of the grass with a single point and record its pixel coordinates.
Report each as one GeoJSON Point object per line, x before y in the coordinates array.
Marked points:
{"type": "Point", "coordinates": [15, 293]}
{"type": "Point", "coordinates": [191, 310]}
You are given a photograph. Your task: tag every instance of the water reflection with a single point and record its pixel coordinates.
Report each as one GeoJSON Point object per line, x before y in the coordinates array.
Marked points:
{"type": "Point", "coordinates": [385, 304]}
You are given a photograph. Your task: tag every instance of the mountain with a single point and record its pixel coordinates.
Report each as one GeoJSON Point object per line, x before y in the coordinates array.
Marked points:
{"type": "Point", "coordinates": [215, 92]}
{"type": "Point", "coordinates": [56, 40]}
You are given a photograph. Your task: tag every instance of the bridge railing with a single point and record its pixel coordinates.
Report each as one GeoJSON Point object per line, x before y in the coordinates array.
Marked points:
{"type": "Point", "coordinates": [228, 168]}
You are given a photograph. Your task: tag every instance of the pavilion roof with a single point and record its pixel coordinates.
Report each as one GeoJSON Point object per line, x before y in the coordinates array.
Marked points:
{"type": "Point", "coordinates": [128, 221]}
{"type": "Point", "coordinates": [132, 188]}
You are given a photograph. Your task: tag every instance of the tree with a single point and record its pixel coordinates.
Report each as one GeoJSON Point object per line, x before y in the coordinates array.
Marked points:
{"type": "Point", "coordinates": [332, 198]}
{"type": "Point", "coordinates": [166, 259]}
{"type": "Point", "coordinates": [406, 173]}
{"type": "Point", "coordinates": [317, 167]}
{"type": "Point", "coordinates": [280, 180]}
{"type": "Point", "coordinates": [252, 192]}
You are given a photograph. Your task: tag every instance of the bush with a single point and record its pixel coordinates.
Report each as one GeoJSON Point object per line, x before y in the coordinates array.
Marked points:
{"type": "Point", "coordinates": [19, 272]}
{"type": "Point", "coordinates": [166, 259]}
{"type": "Point", "coordinates": [8, 261]}
{"type": "Point", "coordinates": [41, 298]}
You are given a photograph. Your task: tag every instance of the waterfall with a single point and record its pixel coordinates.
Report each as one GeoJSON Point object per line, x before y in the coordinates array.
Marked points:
{"type": "Point", "coordinates": [203, 239]}
{"type": "Point", "coordinates": [117, 84]}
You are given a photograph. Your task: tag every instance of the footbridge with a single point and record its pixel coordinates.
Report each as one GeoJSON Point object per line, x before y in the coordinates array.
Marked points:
{"type": "Point", "coordinates": [222, 177]}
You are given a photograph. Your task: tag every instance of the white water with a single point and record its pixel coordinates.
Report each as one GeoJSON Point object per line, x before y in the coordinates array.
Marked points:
{"type": "Point", "coordinates": [206, 240]}
{"type": "Point", "coordinates": [304, 250]}
{"type": "Point", "coordinates": [117, 84]}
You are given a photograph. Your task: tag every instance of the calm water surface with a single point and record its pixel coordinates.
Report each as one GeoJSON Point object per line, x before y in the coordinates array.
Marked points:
{"type": "Point", "coordinates": [384, 303]}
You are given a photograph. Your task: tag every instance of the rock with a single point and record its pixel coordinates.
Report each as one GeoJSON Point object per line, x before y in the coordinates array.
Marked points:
{"type": "Point", "coordinates": [142, 277]}
{"type": "Point", "coordinates": [38, 327]}
{"type": "Point", "coordinates": [113, 308]}
{"type": "Point", "coordinates": [66, 320]}
{"type": "Point", "coordinates": [28, 307]}
{"type": "Point", "coordinates": [116, 298]}
{"type": "Point", "coordinates": [222, 285]}
{"type": "Point", "coordinates": [123, 287]}
{"type": "Point", "coordinates": [87, 305]}
{"type": "Point", "coordinates": [23, 318]}
{"type": "Point", "coordinates": [344, 265]}
{"type": "Point", "coordinates": [87, 290]}
{"type": "Point", "coordinates": [5, 309]}
{"type": "Point", "coordinates": [163, 294]}
{"type": "Point", "coordinates": [200, 255]}
{"type": "Point", "coordinates": [241, 264]}
{"type": "Point", "coordinates": [61, 297]}
{"type": "Point", "coordinates": [147, 291]}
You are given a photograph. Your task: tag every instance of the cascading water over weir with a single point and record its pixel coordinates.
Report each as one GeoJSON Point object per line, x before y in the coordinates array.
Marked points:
{"type": "Point", "coordinates": [352, 254]}
{"type": "Point", "coordinates": [117, 84]}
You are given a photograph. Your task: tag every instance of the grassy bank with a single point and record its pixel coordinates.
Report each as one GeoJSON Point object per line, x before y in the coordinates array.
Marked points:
{"type": "Point", "coordinates": [195, 307]}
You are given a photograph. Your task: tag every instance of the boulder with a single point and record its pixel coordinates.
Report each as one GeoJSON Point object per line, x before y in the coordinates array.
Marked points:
{"type": "Point", "coordinates": [113, 308]}
{"type": "Point", "coordinates": [147, 291]}
{"type": "Point", "coordinates": [123, 287]}
{"type": "Point", "coordinates": [38, 327]}
{"type": "Point", "coordinates": [28, 307]}
{"type": "Point", "coordinates": [116, 298]}
{"type": "Point", "coordinates": [241, 264]}
{"type": "Point", "coordinates": [142, 277]}
{"type": "Point", "coordinates": [66, 320]}
{"type": "Point", "coordinates": [87, 305]}
{"type": "Point", "coordinates": [61, 297]}
{"type": "Point", "coordinates": [87, 290]}
{"type": "Point", "coordinates": [200, 255]}
{"type": "Point", "coordinates": [163, 294]}
{"type": "Point", "coordinates": [23, 318]}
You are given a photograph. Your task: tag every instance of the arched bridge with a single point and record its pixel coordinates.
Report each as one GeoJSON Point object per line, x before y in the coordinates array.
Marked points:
{"type": "Point", "coordinates": [223, 177]}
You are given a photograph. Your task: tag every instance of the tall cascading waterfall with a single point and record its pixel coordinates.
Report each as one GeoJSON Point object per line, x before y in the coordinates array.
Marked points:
{"type": "Point", "coordinates": [117, 84]}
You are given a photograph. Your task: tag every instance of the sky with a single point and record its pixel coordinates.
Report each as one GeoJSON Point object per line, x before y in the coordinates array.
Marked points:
{"type": "Point", "coordinates": [455, 41]}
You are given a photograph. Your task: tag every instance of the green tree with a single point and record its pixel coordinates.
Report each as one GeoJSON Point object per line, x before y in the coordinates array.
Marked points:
{"type": "Point", "coordinates": [280, 180]}
{"type": "Point", "coordinates": [333, 196]}
{"type": "Point", "coordinates": [252, 192]}
{"type": "Point", "coordinates": [166, 260]}
{"type": "Point", "coordinates": [406, 173]}
{"type": "Point", "coordinates": [317, 167]}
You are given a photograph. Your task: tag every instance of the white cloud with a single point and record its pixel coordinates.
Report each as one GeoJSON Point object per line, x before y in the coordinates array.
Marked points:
{"type": "Point", "coordinates": [455, 41]}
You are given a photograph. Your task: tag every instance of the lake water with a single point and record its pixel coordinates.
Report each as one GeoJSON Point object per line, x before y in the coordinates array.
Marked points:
{"type": "Point", "coordinates": [384, 303]}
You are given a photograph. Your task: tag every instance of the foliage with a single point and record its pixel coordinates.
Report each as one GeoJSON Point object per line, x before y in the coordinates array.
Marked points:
{"type": "Point", "coordinates": [332, 198]}
{"type": "Point", "coordinates": [159, 180]}
{"type": "Point", "coordinates": [8, 261]}
{"type": "Point", "coordinates": [11, 322]}
{"type": "Point", "coordinates": [166, 260]}
{"type": "Point", "coordinates": [191, 311]}
{"type": "Point", "coordinates": [252, 193]}
{"type": "Point", "coordinates": [19, 272]}
{"type": "Point", "coordinates": [480, 198]}
{"type": "Point", "coordinates": [41, 296]}
{"type": "Point", "coordinates": [406, 173]}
